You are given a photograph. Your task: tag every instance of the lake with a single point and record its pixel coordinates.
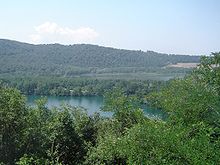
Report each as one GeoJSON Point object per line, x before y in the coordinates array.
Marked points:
{"type": "Point", "coordinates": [91, 103]}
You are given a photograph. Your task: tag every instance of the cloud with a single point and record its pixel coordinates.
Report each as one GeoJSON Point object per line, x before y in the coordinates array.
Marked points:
{"type": "Point", "coordinates": [50, 32]}
{"type": "Point", "coordinates": [35, 37]}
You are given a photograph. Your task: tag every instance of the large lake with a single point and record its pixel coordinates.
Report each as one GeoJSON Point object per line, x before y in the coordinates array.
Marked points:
{"type": "Point", "coordinates": [91, 103]}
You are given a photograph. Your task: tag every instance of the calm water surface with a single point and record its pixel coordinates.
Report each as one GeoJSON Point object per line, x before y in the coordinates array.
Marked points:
{"type": "Point", "coordinates": [91, 103]}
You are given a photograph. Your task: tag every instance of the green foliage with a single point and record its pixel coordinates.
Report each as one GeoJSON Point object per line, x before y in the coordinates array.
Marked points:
{"type": "Point", "coordinates": [126, 114]}
{"type": "Point", "coordinates": [64, 140]}
{"type": "Point", "coordinates": [209, 72]}
{"type": "Point", "coordinates": [72, 60]}
{"type": "Point", "coordinates": [12, 124]}
{"type": "Point", "coordinates": [78, 87]}
{"type": "Point", "coordinates": [189, 101]}
{"type": "Point", "coordinates": [158, 143]}
{"type": "Point", "coordinates": [126, 109]}
{"type": "Point", "coordinates": [194, 98]}
{"type": "Point", "coordinates": [35, 138]}
{"type": "Point", "coordinates": [190, 134]}
{"type": "Point", "coordinates": [26, 160]}
{"type": "Point", "coordinates": [67, 135]}
{"type": "Point", "coordinates": [41, 136]}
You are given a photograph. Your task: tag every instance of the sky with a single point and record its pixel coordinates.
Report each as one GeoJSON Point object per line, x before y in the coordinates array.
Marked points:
{"type": "Point", "coordinates": [166, 26]}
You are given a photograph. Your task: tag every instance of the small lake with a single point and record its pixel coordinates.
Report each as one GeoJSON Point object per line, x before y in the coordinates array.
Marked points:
{"type": "Point", "coordinates": [91, 103]}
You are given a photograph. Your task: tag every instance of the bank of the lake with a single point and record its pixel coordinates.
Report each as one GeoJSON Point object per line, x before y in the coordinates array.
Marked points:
{"type": "Point", "coordinates": [91, 103]}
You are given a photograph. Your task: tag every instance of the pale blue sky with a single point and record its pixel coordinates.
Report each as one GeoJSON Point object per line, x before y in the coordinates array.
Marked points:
{"type": "Point", "coordinates": [169, 26]}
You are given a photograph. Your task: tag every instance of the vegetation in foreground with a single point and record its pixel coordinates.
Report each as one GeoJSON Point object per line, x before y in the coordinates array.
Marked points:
{"type": "Point", "coordinates": [190, 135]}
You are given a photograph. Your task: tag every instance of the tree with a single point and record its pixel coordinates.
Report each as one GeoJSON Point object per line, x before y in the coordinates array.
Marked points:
{"type": "Point", "coordinates": [190, 134]}
{"type": "Point", "coordinates": [13, 113]}
{"type": "Point", "coordinates": [126, 109]}
{"type": "Point", "coordinates": [66, 146]}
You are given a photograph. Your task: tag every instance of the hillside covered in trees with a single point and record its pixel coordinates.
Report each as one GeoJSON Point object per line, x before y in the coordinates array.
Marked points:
{"type": "Point", "coordinates": [70, 60]}
{"type": "Point", "coordinates": [68, 135]}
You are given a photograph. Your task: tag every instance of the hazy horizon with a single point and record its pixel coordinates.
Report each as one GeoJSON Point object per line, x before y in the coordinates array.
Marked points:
{"type": "Point", "coordinates": [172, 26]}
{"type": "Point", "coordinates": [102, 46]}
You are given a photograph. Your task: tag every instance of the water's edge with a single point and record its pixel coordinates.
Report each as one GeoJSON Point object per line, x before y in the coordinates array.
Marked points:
{"type": "Point", "coordinates": [91, 103]}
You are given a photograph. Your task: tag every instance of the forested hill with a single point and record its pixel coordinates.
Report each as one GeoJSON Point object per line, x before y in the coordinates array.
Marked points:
{"type": "Point", "coordinates": [17, 57]}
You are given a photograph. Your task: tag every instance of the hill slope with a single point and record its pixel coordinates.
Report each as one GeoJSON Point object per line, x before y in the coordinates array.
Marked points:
{"type": "Point", "coordinates": [56, 59]}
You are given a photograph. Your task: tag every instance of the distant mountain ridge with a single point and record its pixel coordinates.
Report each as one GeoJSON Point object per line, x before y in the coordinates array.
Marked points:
{"type": "Point", "coordinates": [20, 58]}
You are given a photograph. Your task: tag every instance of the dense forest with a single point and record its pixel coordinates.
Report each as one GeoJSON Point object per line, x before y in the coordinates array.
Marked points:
{"type": "Point", "coordinates": [71, 60]}
{"type": "Point", "coordinates": [67, 135]}
{"type": "Point", "coordinates": [75, 70]}
{"type": "Point", "coordinates": [59, 86]}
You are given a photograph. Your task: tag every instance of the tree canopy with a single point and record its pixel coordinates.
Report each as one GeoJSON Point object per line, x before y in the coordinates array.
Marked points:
{"type": "Point", "coordinates": [68, 135]}
{"type": "Point", "coordinates": [70, 60]}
